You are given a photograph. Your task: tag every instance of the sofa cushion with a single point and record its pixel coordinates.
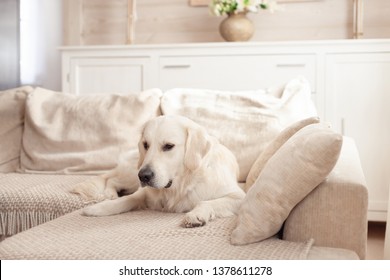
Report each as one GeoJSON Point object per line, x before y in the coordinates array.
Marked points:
{"type": "Point", "coordinates": [28, 200]}
{"type": "Point", "coordinates": [290, 174]}
{"type": "Point", "coordinates": [12, 103]}
{"type": "Point", "coordinates": [272, 147]}
{"type": "Point", "coordinates": [70, 134]}
{"type": "Point", "coordinates": [141, 235]}
{"type": "Point", "coordinates": [244, 121]}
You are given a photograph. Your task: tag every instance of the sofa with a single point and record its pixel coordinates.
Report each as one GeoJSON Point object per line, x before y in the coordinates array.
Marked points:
{"type": "Point", "coordinates": [306, 198]}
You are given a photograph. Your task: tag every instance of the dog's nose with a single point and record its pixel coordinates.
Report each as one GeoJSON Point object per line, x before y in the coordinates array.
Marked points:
{"type": "Point", "coordinates": [146, 174]}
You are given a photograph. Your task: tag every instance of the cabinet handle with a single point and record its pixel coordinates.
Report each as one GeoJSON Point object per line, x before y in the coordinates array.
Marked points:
{"type": "Point", "coordinates": [342, 126]}
{"type": "Point", "coordinates": [285, 65]}
{"type": "Point", "coordinates": [180, 66]}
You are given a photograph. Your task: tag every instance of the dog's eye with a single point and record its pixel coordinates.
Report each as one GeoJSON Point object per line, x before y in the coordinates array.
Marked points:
{"type": "Point", "coordinates": [146, 145]}
{"type": "Point", "coordinates": [168, 147]}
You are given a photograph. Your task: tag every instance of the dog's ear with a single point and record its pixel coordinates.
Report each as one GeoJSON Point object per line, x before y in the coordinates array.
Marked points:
{"type": "Point", "coordinates": [141, 151]}
{"type": "Point", "coordinates": [197, 146]}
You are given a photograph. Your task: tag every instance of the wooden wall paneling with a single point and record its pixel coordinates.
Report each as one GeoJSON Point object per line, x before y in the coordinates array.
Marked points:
{"type": "Point", "coordinates": [376, 19]}
{"type": "Point", "coordinates": [196, 3]}
{"type": "Point", "coordinates": [104, 22]}
{"type": "Point", "coordinates": [176, 21]}
{"type": "Point", "coordinates": [323, 20]}
{"type": "Point", "coordinates": [98, 22]}
{"type": "Point", "coordinates": [72, 19]}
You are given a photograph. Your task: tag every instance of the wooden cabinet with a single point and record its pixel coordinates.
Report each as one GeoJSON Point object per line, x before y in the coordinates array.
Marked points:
{"type": "Point", "coordinates": [234, 72]}
{"type": "Point", "coordinates": [108, 74]}
{"type": "Point", "coordinates": [350, 81]}
{"type": "Point", "coordinates": [357, 102]}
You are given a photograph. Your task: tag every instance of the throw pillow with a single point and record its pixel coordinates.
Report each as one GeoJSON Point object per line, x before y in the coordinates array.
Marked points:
{"type": "Point", "coordinates": [245, 121]}
{"type": "Point", "coordinates": [67, 133]}
{"type": "Point", "coordinates": [12, 103]}
{"type": "Point", "coordinates": [272, 147]}
{"type": "Point", "coordinates": [290, 174]}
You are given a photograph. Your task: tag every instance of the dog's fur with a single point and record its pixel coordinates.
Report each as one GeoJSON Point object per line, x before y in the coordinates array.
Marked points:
{"type": "Point", "coordinates": [181, 169]}
{"type": "Point", "coordinates": [119, 181]}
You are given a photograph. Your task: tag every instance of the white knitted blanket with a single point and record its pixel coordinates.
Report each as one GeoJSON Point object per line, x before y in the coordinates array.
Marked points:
{"type": "Point", "coordinates": [29, 200]}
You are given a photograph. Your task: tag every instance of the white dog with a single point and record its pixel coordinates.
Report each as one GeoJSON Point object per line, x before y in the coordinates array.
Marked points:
{"type": "Point", "coordinates": [181, 169]}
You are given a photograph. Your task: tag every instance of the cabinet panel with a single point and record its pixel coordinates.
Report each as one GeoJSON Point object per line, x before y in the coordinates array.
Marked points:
{"type": "Point", "coordinates": [358, 99]}
{"type": "Point", "coordinates": [107, 75]}
{"type": "Point", "coordinates": [237, 72]}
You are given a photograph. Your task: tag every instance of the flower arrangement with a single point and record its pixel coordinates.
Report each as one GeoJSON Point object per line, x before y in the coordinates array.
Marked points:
{"type": "Point", "coordinates": [228, 7]}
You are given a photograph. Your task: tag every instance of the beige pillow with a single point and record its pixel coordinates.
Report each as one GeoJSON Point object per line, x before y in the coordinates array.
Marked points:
{"type": "Point", "coordinates": [245, 121]}
{"type": "Point", "coordinates": [67, 133]}
{"type": "Point", "coordinates": [12, 103]}
{"type": "Point", "coordinates": [272, 147]}
{"type": "Point", "coordinates": [290, 174]}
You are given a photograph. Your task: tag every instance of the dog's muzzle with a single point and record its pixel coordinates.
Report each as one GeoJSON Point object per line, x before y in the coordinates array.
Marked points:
{"type": "Point", "coordinates": [147, 176]}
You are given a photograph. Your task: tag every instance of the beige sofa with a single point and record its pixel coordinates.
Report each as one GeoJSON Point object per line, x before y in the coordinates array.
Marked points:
{"type": "Point", "coordinates": [51, 141]}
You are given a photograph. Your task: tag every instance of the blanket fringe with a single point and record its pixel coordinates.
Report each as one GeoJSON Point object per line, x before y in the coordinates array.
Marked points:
{"type": "Point", "coordinates": [14, 222]}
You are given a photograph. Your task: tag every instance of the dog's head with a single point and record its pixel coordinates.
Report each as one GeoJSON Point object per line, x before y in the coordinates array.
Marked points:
{"type": "Point", "coordinates": [169, 147]}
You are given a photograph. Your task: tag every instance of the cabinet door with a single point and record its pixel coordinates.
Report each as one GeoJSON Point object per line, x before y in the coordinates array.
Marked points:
{"type": "Point", "coordinates": [108, 74]}
{"type": "Point", "coordinates": [236, 72]}
{"type": "Point", "coordinates": [357, 104]}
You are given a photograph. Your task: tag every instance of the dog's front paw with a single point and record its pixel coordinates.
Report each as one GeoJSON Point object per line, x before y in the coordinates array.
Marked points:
{"type": "Point", "coordinates": [192, 220]}
{"type": "Point", "coordinates": [94, 210]}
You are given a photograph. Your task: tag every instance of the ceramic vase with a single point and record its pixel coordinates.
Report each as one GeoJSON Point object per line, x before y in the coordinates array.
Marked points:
{"type": "Point", "coordinates": [236, 28]}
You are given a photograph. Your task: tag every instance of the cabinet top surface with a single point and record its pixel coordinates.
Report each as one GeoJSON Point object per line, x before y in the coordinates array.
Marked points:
{"type": "Point", "coordinates": [276, 44]}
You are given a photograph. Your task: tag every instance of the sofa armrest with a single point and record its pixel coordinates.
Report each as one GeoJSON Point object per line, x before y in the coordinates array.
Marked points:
{"type": "Point", "coordinates": [335, 213]}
